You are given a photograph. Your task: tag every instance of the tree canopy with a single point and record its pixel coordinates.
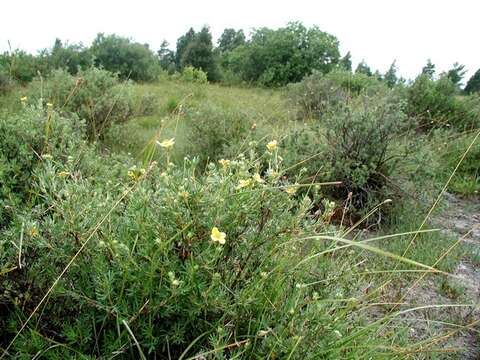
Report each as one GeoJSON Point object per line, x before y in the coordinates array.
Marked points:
{"type": "Point", "coordinates": [473, 84]}
{"type": "Point", "coordinates": [120, 55]}
{"type": "Point", "coordinates": [278, 57]}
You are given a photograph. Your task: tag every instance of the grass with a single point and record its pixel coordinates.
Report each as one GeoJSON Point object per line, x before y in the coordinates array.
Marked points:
{"type": "Point", "coordinates": [264, 107]}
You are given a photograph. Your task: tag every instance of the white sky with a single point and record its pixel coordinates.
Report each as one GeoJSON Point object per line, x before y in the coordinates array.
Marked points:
{"type": "Point", "coordinates": [409, 31]}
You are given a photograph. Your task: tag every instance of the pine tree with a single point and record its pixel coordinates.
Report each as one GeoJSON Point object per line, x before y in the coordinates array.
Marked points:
{"type": "Point", "coordinates": [473, 84]}
{"type": "Point", "coordinates": [363, 68]}
{"type": "Point", "coordinates": [346, 62]}
{"type": "Point", "coordinates": [429, 69]}
{"type": "Point", "coordinates": [390, 76]}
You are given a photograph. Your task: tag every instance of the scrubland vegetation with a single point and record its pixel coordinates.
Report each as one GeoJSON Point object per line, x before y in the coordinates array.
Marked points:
{"type": "Point", "coordinates": [253, 200]}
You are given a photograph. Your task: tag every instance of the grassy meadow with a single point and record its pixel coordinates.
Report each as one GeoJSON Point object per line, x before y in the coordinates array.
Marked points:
{"type": "Point", "coordinates": [184, 220]}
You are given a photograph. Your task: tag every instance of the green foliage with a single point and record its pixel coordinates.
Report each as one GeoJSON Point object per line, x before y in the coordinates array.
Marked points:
{"type": "Point", "coordinates": [429, 69]}
{"type": "Point", "coordinates": [278, 57]}
{"type": "Point", "coordinates": [196, 50]}
{"type": "Point", "coordinates": [131, 60]}
{"type": "Point", "coordinates": [21, 66]}
{"type": "Point", "coordinates": [95, 95]}
{"type": "Point", "coordinates": [390, 76]}
{"type": "Point", "coordinates": [152, 265]}
{"type": "Point", "coordinates": [456, 74]}
{"type": "Point", "coordinates": [5, 81]}
{"type": "Point", "coordinates": [182, 44]}
{"type": "Point", "coordinates": [230, 39]}
{"type": "Point", "coordinates": [359, 146]}
{"type": "Point", "coordinates": [193, 75]}
{"type": "Point", "coordinates": [69, 56]}
{"type": "Point", "coordinates": [363, 68]}
{"type": "Point", "coordinates": [467, 179]}
{"type": "Point", "coordinates": [473, 84]}
{"type": "Point", "coordinates": [317, 94]}
{"type": "Point", "coordinates": [437, 104]}
{"type": "Point", "coordinates": [166, 58]}
{"type": "Point", "coordinates": [212, 130]}
{"type": "Point", "coordinates": [346, 62]}
{"type": "Point", "coordinates": [25, 141]}
{"type": "Point", "coordinates": [354, 145]}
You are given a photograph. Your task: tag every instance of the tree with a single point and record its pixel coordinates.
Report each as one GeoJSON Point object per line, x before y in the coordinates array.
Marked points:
{"type": "Point", "coordinates": [473, 84]}
{"type": "Point", "coordinates": [456, 74]}
{"type": "Point", "coordinates": [346, 62]}
{"type": "Point", "coordinates": [129, 59]}
{"type": "Point", "coordinates": [230, 39]}
{"type": "Point", "coordinates": [363, 68]}
{"type": "Point", "coordinates": [390, 76]}
{"type": "Point", "coordinates": [166, 57]}
{"type": "Point", "coordinates": [278, 57]}
{"type": "Point", "coordinates": [196, 49]}
{"type": "Point", "coordinates": [182, 44]}
{"type": "Point", "coordinates": [429, 69]}
{"type": "Point", "coordinates": [71, 57]}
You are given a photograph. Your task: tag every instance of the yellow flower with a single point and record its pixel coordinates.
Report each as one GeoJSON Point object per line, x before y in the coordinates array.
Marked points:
{"type": "Point", "coordinates": [272, 173]}
{"type": "Point", "coordinates": [218, 236]}
{"type": "Point", "coordinates": [63, 174]}
{"type": "Point", "coordinates": [33, 231]}
{"type": "Point", "coordinates": [167, 143]}
{"type": "Point", "coordinates": [135, 174]}
{"type": "Point", "coordinates": [272, 145]}
{"type": "Point", "coordinates": [23, 99]}
{"type": "Point", "coordinates": [184, 195]}
{"type": "Point", "coordinates": [258, 178]}
{"type": "Point", "coordinates": [49, 105]}
{"type": "Point", "coordinates": [244, 183]}
{"type": "Point", "coordinates": [290, 190]}
{"type": "Point", "coordinates": [224, 163]}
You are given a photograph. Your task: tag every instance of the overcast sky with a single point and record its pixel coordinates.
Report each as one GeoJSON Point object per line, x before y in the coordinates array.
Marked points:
{"type": "Point", "coordinates": [410, 31]}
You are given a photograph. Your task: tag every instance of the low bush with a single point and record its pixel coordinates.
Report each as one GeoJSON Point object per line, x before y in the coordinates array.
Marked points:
{"type": "Point", "coordinates": [467, 178]}
{"type": "Point", "coordinates": [5, 81]}
{"type": "Point", "coordinates": [212, 129]}
{"type": "Point", "coordinates": [27, 139]}
{"type": "Point", "coordinates": [353, 145]}
{"type": "Point", "coordinates": [171, 264]}
{"type": "Point", "coordinates": [193, 75]}
{"type": "Point", "coordinates": [319, 93]}
{"type": "Point", "coordinates": [22, 67]}
{"type": "Point", "coordinates": [359, 147]}
{"type": "Point", "coordinates": [437, 104]}
{"type": "Point", "coordinates": [95, 95]}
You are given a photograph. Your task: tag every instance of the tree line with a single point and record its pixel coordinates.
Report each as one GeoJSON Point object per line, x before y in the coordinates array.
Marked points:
{"type": "Point", "coordinates": [268, 57]}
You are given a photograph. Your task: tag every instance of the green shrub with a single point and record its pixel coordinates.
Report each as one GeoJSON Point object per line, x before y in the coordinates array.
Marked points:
{"type": "Point", "coordinates": [5, 81]}
{"type": "Point", "coordinates": [212, 129]}
{"type": "Point", "coordinates": [193, 75]}
{"type": "Point", "coordinates": [467, 179]}
{"type": "Point", "coordinates": [153, 265]}
{"type": "Point", "coordinates": [359, 144]}
{"type": "Point", "coordinates": [95, 95]}
{"type": "Point", "coordinates": [319, 93]}
{"type": "Point", "coordinates": [129, 59]}
{"type": "Point", "coordinates": [353, 145]}
{"type": "Point", "coordinates": [435, 104]}
{"type": "Point", "coordinates": [71, 57]}
{"type": "Point", "coordinates": [23, 67]}
{"type": "Point", "coordinates": [27, 139]}
{"type": "Point", "coordinates": [284, 55]}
